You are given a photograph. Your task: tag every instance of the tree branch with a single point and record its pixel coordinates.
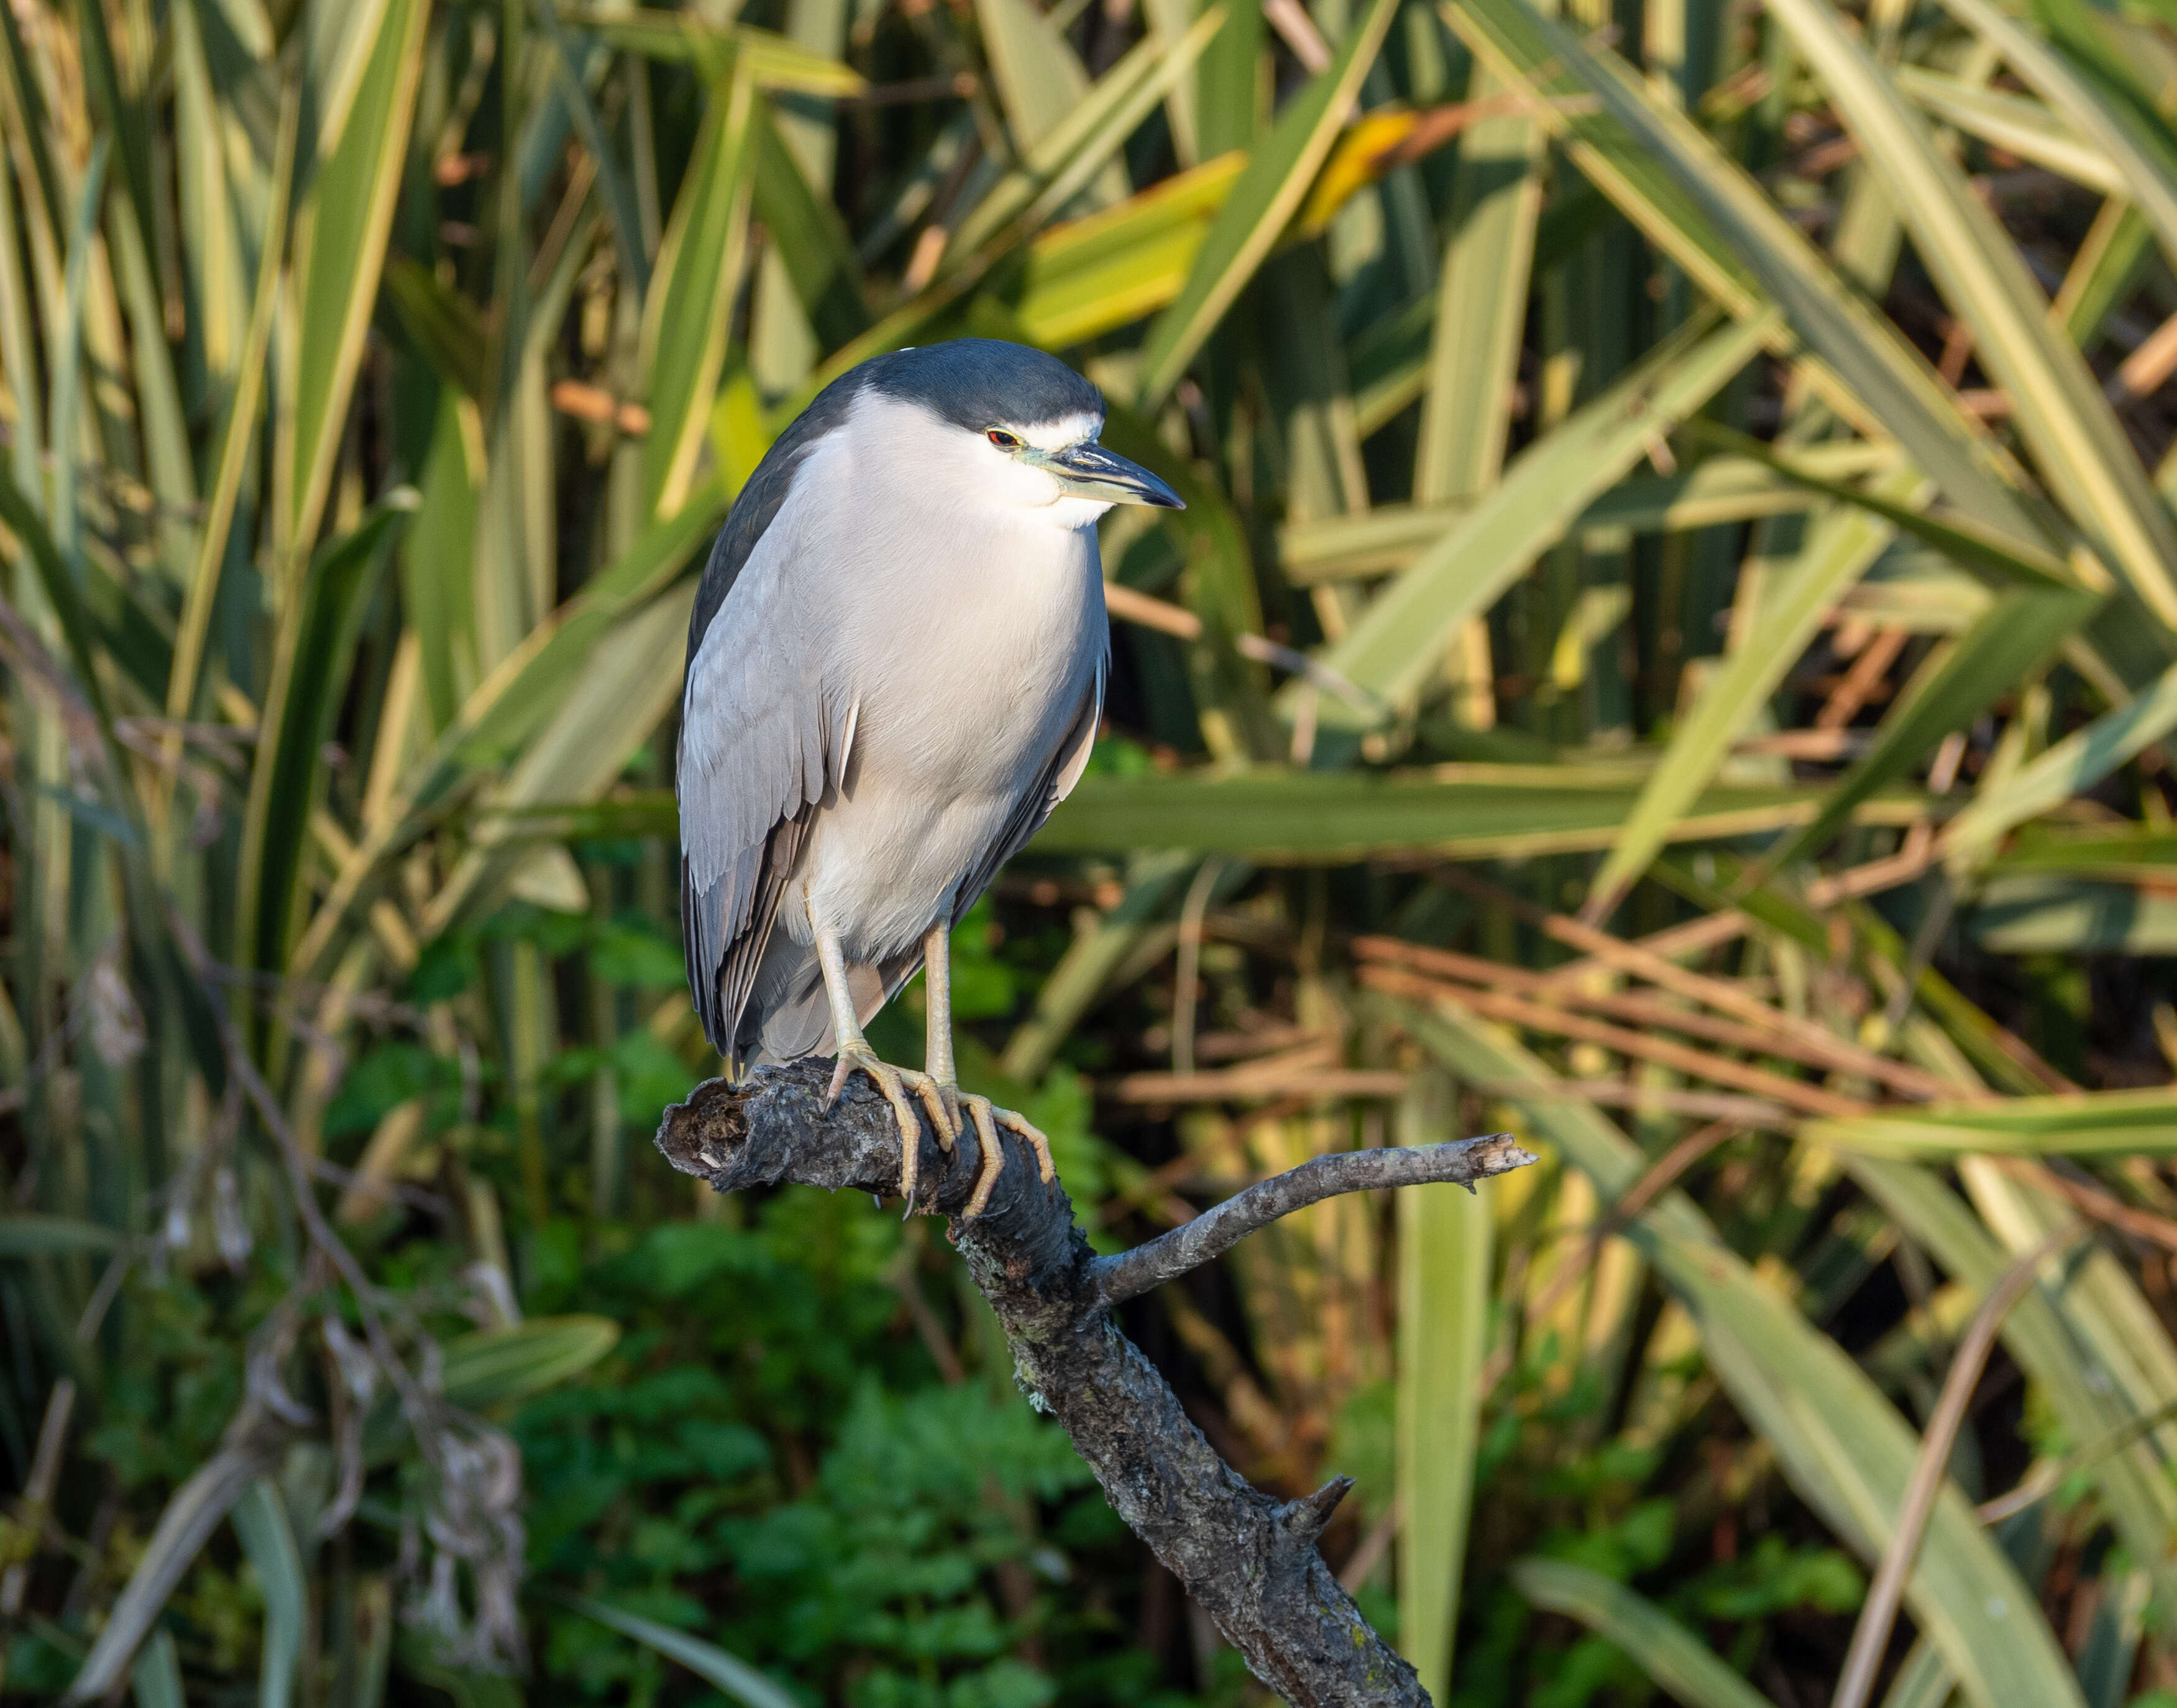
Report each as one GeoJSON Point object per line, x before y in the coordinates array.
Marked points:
{"type": "Point", "coordinates": [1249, 1559]}
{"type": "Point", "coordinates": [1215, 1231]}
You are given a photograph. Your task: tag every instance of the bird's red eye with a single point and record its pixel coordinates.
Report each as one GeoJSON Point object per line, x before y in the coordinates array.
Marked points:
{"type": "Point", "coordinates": [1004, 440]}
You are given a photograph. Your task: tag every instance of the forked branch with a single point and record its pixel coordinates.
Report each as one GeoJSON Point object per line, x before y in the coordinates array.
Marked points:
{"type": "Point", "coordinates": [1215, 1231]}
{"type": "Point", "coordinates": [1247, 1557]}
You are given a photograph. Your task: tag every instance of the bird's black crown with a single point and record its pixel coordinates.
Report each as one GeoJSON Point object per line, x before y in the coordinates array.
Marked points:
{"type": "Point", "coordinates": [977, 383]}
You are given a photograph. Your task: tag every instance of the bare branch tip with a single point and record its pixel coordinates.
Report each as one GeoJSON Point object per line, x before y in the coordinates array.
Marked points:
{"type": "Point", "coordinates": [1305, 1517]}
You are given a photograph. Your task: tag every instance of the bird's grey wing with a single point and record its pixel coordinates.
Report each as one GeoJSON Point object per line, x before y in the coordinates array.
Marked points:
{"type": "Point", "coordinates": [761, 739]}
{"type": "Point", "coordinates": [1052, 785]}
{"type": "Point", "coordinates": [726, 929]}
{"type": "Point", "coordinates": [762, 743]}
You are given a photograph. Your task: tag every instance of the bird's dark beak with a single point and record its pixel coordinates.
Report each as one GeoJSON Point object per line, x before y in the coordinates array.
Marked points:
{"type": "Point", "coordinates": [1088, 470]}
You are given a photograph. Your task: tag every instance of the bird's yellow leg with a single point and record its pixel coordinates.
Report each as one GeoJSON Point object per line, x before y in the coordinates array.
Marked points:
{"type": "Point", "coordinates": [937, 1054]}
{"type": "Point", "coordinates": [854, 1051]}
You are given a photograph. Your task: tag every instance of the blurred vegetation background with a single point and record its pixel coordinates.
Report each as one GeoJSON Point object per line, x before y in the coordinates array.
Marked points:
{"type": "Point", "coordinates": [1672, 650]}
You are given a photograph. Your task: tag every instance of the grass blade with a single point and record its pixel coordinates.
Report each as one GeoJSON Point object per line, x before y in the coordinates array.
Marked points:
{"type": "Point", "coordinates": [1725, 488]}
{"type": "Point", "coordinates": [67, 356]}
{"type": "Point", "coordinates": [2023, 127]}
{"type": "Point", "coordinates": [735, 1678]}
{"type": "Point", "coordinates": [261, 1519]}
{"type": "Point", "coordinates": [2091, 1404]}
{"type": "Point", "coordinates": [1443, 1334]}
{"type": "Point", "coordinates": [502, 1365]}
{"type": "Point", "coordinates": [620, 194]}
{"type": "Point", "coordinates": [341, 232]}
{"type": "Point", "coordinates": [811, 239]}
{"type": "Point", "coordinates": [2059, 409]}
{"type": "Point", "coordinates": [2147, 174]}
{"type": "Point", "coordinates": [442, 324]}
{"type": "Point", "coordinates": [773, 62]}
{"type": "Point", "coordinates": [1040, 82]}
{"type": "Point", "coordinates": [2106, 1123]}
{"type": "Point", "coordinates": [519, 699]}
{"type": "Point", "coordinates": [1395, 646]}
{"type": "Point", "coordinates": [1839, 550]}
{"type": "Point", "coordinates": [1278, 817]}
{"type": "Point", "coordinates": [437, 591]}
{"type": "Point", "coordinates": [1269, 192]}
{"type": "Point", "coordinates": [1482, 305]}
{"type": "Point", "coordinates": [2071, 766]}
{"type": "Point", "coordinates": [699, 269]}
{"type": "Point", "coordinates": [1713, 218]}
{"type": "Point", "coordinates": [309, 677]}
{"type": "Point", "coordinates": [1958, 538]}
{"type": "Point", "coordinates": [238, 432]}
{"type": "Point", "coordinates": [1842, 1446]}
{"type": "Point", "coordinates": [1071, 153]}
{"type": "Point", "coordinates": [1152, 884]}
{"type": "Point", "coordinates": [611, 704]}
{"type": "Point", "coordinates": [1169, 19]}
{"type": "Point", "coordinates": [26, 1234]}
{"type": "Point", "coordinates": [1923, 1681]}
{"type": "Point", "coordinates": [157, 1677]}
{"type": "Point", "coordinates": [339, 43]}
{"type": "Point", "coordinates": [1092, 275]}
{"type": "Point", "coordinates": [191, 1515]}
{"type": "Point", "coordinates": [120, 118]}
{"type": "Point", "coordinates": [1677, 1661]}
{"type": "Point", "coordinates": [2021, 629]}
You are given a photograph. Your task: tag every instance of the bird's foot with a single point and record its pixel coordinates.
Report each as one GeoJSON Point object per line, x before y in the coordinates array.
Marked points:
{"type": "Point", "coordinates": [894, 1083]}
{"type": "Point", "coordinates": [989, 1118]}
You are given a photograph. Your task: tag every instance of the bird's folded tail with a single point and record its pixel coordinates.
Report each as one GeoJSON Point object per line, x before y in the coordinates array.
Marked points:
{"type": "Point", "coordinates": [787, 1016]}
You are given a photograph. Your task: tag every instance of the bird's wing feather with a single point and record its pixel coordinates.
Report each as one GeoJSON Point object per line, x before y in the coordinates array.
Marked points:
{"type": "Point", "coordinates": [1068, 760]}
{"type": "Point", "coordinates": [757, 758]}
{"type": "Point", "coordinates": [762, 736]}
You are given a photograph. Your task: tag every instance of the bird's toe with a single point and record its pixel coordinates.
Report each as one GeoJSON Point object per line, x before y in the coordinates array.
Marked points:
{"type": "Point", "coordinates": [994, 1156]}
{"type": "Point", "coordinates": [890, 1084]}
{"type": "Point", "coordinates": [949, 1095]}
{"type": "Point", "coordinates": [941, 1100]}
{"type": "Point", "coordinates": [1037, 1142]}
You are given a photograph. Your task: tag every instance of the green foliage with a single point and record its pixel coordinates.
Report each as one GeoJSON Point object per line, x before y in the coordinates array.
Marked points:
{"type": "Point", "coordinates": [760, 1425]}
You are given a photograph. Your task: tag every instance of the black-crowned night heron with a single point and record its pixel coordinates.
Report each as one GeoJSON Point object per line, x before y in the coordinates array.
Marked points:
{"type": "Point", "coordinates": [895, 671]}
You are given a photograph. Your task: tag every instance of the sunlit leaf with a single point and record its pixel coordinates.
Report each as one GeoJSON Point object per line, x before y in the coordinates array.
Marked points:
{"type": "Point", "coordinates": [684, 318]}
{"type": "Point", "coordinates": [1268, 195]}
{"type": "Point", "coordinates": [341, 228]}
{"type": "Point", "coordinates": [1401, 634]}
{"type": "Point", "coordinates": [1845, 1449]}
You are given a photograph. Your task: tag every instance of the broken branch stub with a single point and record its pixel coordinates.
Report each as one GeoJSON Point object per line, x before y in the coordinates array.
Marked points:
{"type": "Point", "coordinates": [1247, 1557]}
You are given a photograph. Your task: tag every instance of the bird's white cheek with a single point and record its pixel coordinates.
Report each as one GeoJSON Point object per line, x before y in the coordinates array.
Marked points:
{"type": "Point", "coordinates": [1041, 491]}
{"type": "Point", "coordinates": [1014, 485]}
{"type": "Point", "coordinates": [1070, 512]}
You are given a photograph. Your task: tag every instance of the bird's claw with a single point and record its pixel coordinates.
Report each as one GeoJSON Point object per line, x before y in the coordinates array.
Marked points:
{"type": "Point", "coordinates": [945, 1103]}
{"type": "Point", "coordinates": [949, 1095]}
{"type": "Point", "coordinates": [894, 1083]}
{"type": "Point", "coordinates": [989, 1118]}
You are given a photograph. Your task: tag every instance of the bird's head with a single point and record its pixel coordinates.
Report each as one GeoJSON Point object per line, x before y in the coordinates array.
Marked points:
{"type": "Point", "coordinates": [1009, 426]}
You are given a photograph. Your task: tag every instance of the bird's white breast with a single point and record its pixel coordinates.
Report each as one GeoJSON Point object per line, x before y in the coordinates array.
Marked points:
{"type": "Point", "coordinates": [969, 631]}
